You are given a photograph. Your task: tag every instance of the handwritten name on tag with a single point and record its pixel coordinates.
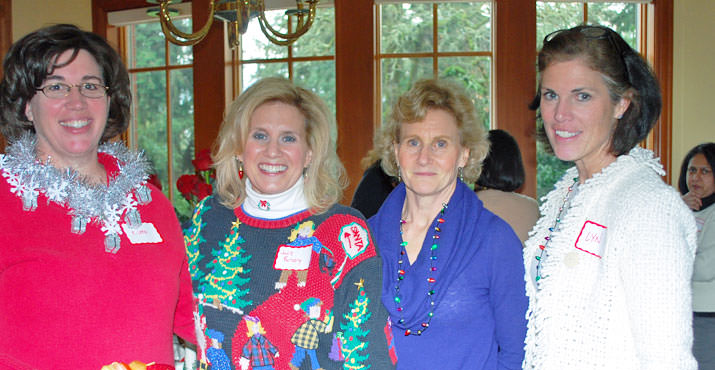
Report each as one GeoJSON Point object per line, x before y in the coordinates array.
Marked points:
{"type": "Point", "coordinates": [699, 223]}
{"type": "Point", "coordinates": [292, 258]}
{"type": "Point", "coordinates": [592, 239]}
{"type": "Point", "coordinates": [142, 234]}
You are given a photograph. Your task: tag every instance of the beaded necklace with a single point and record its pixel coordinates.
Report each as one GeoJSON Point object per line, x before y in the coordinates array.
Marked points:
{"type": "Point", "coordinates": [430, 280]}
{"type": "Point", "coordinates": [547, 239]}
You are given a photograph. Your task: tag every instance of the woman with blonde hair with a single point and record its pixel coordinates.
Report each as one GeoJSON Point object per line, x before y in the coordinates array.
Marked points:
{"type": "Point", "coordinates": [277, 176]}
{"type": "Point", "coordinates": [452, 269]}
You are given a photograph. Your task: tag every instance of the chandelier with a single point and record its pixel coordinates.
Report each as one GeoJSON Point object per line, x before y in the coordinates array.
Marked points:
{"type": "Point", "coordinates": [237, 13]}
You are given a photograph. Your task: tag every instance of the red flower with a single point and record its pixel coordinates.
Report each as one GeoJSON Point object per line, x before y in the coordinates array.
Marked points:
{"type": "Point", "coordinates": [154, 180]}
{"type": "Point", "coordinates": [186, 185]}
{"type": "Point", "coordinates": [203, 190]}
{"type": "Point", "coordinates": [203, 160]}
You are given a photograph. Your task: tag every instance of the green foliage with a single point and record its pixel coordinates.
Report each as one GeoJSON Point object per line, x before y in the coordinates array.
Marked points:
{"type": "Point", "coordinates": [147, 48]}
{"type": "Point", "coordinates": [406, 29]}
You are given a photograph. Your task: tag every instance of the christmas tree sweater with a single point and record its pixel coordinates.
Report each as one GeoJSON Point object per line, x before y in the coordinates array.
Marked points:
{"type": "Point", "coordinates": [300, 292]}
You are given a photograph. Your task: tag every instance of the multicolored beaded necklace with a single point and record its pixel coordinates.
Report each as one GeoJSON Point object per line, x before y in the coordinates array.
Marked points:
{"type": "Point", "coordinates": [547, 239]}
{"type": "Point", "coordinates": [431, 280]}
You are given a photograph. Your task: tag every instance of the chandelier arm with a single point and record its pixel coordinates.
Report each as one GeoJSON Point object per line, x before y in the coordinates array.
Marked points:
{"type": "Point", "coordinates": [171, 32]}
{"type": "Point", "coordinates": [280, 42]}
{"type": "Point", "coordinates": [272, 34]}
{"type": "Point", "coordinates": [175, 40]}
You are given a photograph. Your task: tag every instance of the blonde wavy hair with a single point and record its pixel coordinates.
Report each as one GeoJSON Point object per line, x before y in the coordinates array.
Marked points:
{"type": "Point", "coordinates": [413, 106]}
{"type": "Point", "coordinates": [325, 177]}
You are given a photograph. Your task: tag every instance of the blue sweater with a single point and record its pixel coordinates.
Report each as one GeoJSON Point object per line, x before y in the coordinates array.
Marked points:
{"type": "Point", "coordinates": [479, 320]}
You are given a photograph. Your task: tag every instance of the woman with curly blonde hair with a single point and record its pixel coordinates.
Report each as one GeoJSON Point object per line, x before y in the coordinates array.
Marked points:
{"type": "Point", "coordinates": [451, 268]}
{"type": "Point", "coordinates": [273, 237]}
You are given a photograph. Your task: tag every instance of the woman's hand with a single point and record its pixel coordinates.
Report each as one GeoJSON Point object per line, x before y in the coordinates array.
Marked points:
{"type": "Point", "coordinates": [692, 200]}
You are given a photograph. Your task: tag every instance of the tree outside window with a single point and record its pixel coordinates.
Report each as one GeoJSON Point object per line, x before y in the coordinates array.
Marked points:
{"type": "Point", "coordinates": [163, 106]}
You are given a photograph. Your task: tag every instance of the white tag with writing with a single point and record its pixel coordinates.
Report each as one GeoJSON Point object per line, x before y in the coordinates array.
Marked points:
{"type": "Point", "coordinates": [699, 222]}
{"type": "Point", "coordinates": [292, 258]}
{"type": "Point", "coordinates": [144, 233]}
{"type": "Point", "coordinates": [592, 239]}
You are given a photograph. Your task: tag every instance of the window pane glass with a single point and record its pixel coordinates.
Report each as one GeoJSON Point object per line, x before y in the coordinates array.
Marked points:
{"type": "Point", "coordinates": [398, 75]}
{"type": "Point", "coordinates": [182, 130]}
{"type": "Point", "coordinates": [464, 26]}
{"type": "Point", "coordinates": [255, 45]}
{"type": "Point", "coordinates": [319, 77]}
{"type": "Point", "coordinates": [622, 18]}
{"type": "Point", "coordinates": [181, 55]}
{"type": "Point", "coordinates": [252, 72]}
{"type": "Point", "coordinates": [150, 112]}
{"type": "Point", "coordinates": [320, 40]}
{"type": "Point", "coordinates": [146, 45]}
{"type": "Point", "coordinates": [474, 73]}
{"type": "Point", "coordinates": [552, 16]}
{"type": "Point", "coordinates": [406, 28]}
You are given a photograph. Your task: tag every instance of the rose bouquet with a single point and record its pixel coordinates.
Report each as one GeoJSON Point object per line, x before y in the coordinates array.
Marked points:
{"type": "Point", "coordinates": [197, 186]}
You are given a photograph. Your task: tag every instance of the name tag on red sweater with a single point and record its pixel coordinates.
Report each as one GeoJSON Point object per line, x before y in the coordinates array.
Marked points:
{"type": "Point", "coordinates": [292, 258]}
{"type": "Point", "coordinates": [144, 233]}
{"type": "Point", "coordinates": [592, 238]}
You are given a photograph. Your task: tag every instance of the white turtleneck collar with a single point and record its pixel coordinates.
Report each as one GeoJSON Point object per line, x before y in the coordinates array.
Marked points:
{"type": "Point", "coordinates": [275, 206]}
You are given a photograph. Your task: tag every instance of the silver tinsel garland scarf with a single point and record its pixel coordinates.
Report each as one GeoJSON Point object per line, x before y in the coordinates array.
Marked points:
{"type": "Point", "coordinates": [106, 206]}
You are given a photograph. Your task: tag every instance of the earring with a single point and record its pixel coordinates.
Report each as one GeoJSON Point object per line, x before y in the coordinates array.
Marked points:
{"type": "Point", "coordinates": [399, 175]}
{"type": "Point", "coordinates": [305, 171]}
{"type": "Point", "coordinates": [460, 173]}
{"type": "Point", "coordinates": [240, 168]}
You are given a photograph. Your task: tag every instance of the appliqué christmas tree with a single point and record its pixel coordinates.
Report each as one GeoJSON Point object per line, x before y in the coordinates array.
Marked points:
{"type": "Point", "coordinates": [221, 284]}
{"type": "Point", "coordinates": [193, 238]}
{"type": "Point", "coordinates": [354, 346]}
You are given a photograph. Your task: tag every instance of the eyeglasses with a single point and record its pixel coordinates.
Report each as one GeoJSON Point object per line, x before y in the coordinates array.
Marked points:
{"type": "Point", "coordinates": [87, 89]}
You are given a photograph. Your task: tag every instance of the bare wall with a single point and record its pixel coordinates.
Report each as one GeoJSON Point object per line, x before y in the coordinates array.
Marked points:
{"type": "Point", "coordinates": [29, 15]}
{"type": "Point", "coordinates": [693, 77]}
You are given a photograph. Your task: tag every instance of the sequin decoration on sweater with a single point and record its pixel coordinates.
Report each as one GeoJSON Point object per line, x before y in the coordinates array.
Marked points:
{"type": "Point", "coordinates": [307, 284]}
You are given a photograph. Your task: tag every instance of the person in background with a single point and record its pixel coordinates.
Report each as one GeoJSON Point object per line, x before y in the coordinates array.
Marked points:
{"type": "Point", "coordinates": [273, 243]}
{"type": "Point", "coordinates": [92, 263]}
{"type": "Point", "coordinates": [452, 270]}
{"type": "Point", "coordinates": [697, 186]}
{"type": "Point", "coordinates": [610, 260]}
{"type": "Point", "coordinates": [374, 186]}
{"type": "Point", "coordinates": [502, 174]}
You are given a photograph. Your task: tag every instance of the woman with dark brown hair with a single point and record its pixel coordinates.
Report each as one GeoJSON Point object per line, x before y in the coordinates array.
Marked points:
{"type": "Point", "coordinates": [92, 266]}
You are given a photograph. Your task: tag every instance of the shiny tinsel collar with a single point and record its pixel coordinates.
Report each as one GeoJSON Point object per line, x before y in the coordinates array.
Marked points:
{"type": "Point", "coordinates": [107, 206]}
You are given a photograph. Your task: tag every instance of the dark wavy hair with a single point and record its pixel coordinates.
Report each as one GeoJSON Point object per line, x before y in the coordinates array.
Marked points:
{"type": "Point", "coordinates": [503, 168]}
{"type": "Point", "coordinates": [34, 57]}
{"type": "Point", "coordinates": [624, 71]}
{"type": "Point", "coordinates": [707, 150]}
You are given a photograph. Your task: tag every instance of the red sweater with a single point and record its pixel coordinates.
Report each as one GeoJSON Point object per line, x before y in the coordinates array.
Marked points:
{"type": "Point", "coordinates": [65, 303]}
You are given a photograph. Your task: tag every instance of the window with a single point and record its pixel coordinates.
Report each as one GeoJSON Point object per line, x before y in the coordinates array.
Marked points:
{"type": "Point", "coordinates": [309, 61]}
{"type": "Point", "coordinates": [162, 88]}
{"type": "Point", "coordinates": [552, 16]}
{"type": "Point", "coordinates": [422, 40]}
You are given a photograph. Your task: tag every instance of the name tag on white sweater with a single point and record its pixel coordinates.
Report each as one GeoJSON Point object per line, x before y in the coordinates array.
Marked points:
{"type": "Point", "coordinates": [592, 239]}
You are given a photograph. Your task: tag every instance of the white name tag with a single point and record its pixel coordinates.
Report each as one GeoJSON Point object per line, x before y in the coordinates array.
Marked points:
{"type": "Point", "coordinates": [699, 222]}
{"type": "Point", "coordinates": [592, 239]}
{"type": "Point", "coordinates": [144, 233]}
{"type": "Point", "coordinates": [292, 258]}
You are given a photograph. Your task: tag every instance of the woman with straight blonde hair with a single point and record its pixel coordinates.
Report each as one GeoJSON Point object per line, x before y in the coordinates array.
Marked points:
{"type": "Point", "coordinates": [272, 243]}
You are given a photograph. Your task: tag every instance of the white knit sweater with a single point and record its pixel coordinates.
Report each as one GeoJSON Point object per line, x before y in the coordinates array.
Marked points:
{"type": "Point", "coordinates": [629, 308]}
